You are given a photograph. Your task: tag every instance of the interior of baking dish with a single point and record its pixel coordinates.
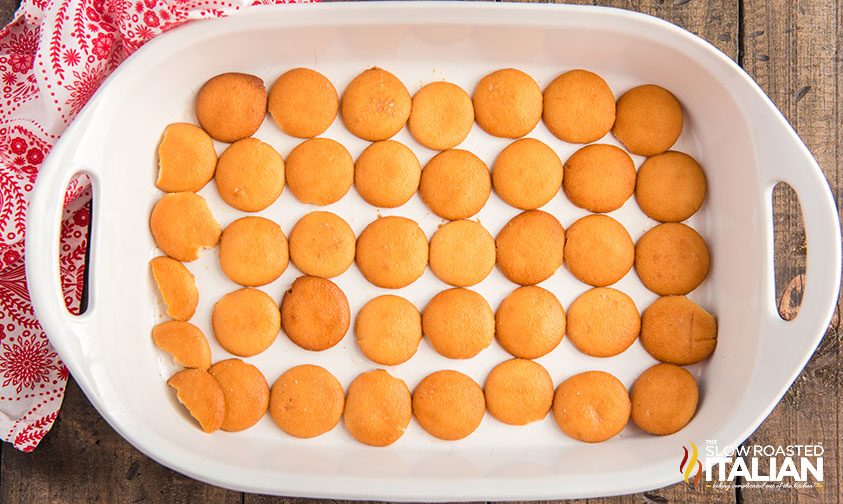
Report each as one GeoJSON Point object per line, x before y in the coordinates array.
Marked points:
{"type": "Point", "coordinates": [740, 140]}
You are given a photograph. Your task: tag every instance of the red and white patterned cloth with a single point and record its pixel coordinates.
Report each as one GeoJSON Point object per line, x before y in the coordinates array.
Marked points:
{"type": "Point", "coordinates": [53, 56]}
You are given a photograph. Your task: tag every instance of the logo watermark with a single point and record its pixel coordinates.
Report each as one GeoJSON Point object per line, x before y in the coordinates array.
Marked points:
{"type": "Point", "coordinates": [752, 466]}
{"type": "Point", "coordinates": [688, 464]}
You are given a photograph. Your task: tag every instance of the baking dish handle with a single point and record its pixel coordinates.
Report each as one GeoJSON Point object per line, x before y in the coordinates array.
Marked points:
{"type": "Point", "coordinates": [786, 346]}
{"type": "Point", "coordinates": [43, 233]}
{"type": "Point", "coordinates": [789, 344]}
{"type": "Point", "coordinates": [823, 261]}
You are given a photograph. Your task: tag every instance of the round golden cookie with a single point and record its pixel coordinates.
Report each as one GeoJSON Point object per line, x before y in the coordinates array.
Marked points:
{"type": "Point", "coordinates": [202, 395]}
{"type": "Point", "coordinates": [306, 401]}
{"type": "Point", "coordinates": [186, 158]}
{"type": "Point", "coordinates": [530, 322]}
{"type": "Point", "coordinates": [592, 406]}
{"type": "Point", "coordinates": [392, 252]}
{"type": "Point", "coordinates": [676, 330]}
{"type": "Point", "coordinates": [246, 322]}
{"type": "Point", "coordinates": [649, 120]}
{"type": "Point", "coordinates": [448, 404]}
{"type": "Point", "coordinates": [603, 322]}
{"type": "Point", "coordinates": [303, 103]}
{"type": "Point", "coordinates": [231, 106]}
{"type": "Point", "coordinates": [530, 247]}
{"type": "Point", "coordinates": [671, 259]}
{"type": "Point", "coordinates": [442, 115]}
{"type": "Point", "coordinates": [599, 178]}
{"type": "Point", "coordinates": [319, 171]}
{"type": "Point", "coordinates": [459, 323]}
{"type": "Point", "coordinates": [253, 251]}
{"type": "Point", "coordinates": [598, 250]}
{"type": "Point", "coordinates": [185, 342]}
{"type": "Point", "coordinates": [182, 225]}
{"type": "Point", "coordinates": [322, 244]}
{"type": "Point", "coordinates": [455, 184]}
{"type": "Point", "coordinates": [387, 174]}
{"type": "Point", "coordinates": [507, 103]}
{"type": "Point", "coordinates": [378, 408]}
{"type": "Point", "coordinates": [388, 330]}
{"type": "Point", "coordinates": [375, 105]}
{"type": "Point", "coordinates": [246, 393]}
{"type": "Point", "coordinates": [177, 286]}
{"type": "Point", "coordinates": [250, 175]}
{"type": "Point", "coordinates": [670, 187]}
{"type": "Point", "coordinates": [462, 253]}
{"type": "Point", "coordinates": [518, 392]}
{"type": "Point", "coordinates": [527, 174]}
{"type": "Point", "coordinates": [664, 399]}
{"type": "Point", "coordinates": [315, 313]}
{"type": "Point", "coordinates": [579, 107]}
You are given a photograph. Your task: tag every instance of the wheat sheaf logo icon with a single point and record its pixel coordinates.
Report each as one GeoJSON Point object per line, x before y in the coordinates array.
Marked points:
{"type": "Point", "coordinates": [686, 467]}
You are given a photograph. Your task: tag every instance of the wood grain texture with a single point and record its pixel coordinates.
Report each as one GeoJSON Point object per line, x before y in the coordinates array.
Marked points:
{"type": "Point", "coordinates": [794, 50]}
{"type": "Point", "coordinates": [713, 20]}
{"type": "Point", "coordinates": [82, 459]}
{"type": "Point", "coordinates": [7, 10]}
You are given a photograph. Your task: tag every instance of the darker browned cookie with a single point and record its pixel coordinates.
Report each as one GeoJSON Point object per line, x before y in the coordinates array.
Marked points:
{"type": "Point", "coordinates": [231, 106]}
{"type": "Point", "coordinates": [315, 313]}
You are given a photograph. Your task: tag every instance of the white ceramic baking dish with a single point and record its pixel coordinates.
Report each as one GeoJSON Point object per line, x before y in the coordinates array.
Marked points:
{"type": "Point", "coordinates": [744, 143]}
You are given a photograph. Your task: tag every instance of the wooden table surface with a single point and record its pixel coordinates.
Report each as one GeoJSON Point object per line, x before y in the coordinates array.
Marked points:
{"type": "Point", "coordinates": [794, 49]}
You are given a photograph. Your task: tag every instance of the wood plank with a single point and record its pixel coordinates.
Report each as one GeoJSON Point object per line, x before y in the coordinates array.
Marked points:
{"type": "Point", "coordinates": [792, 49]}
{"type": "Point", "coordinates": [83, 460]}
{"type": "Point", "coordinates": [7, 10]}
{"type": "Point", "coordinates": [714, 20]}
